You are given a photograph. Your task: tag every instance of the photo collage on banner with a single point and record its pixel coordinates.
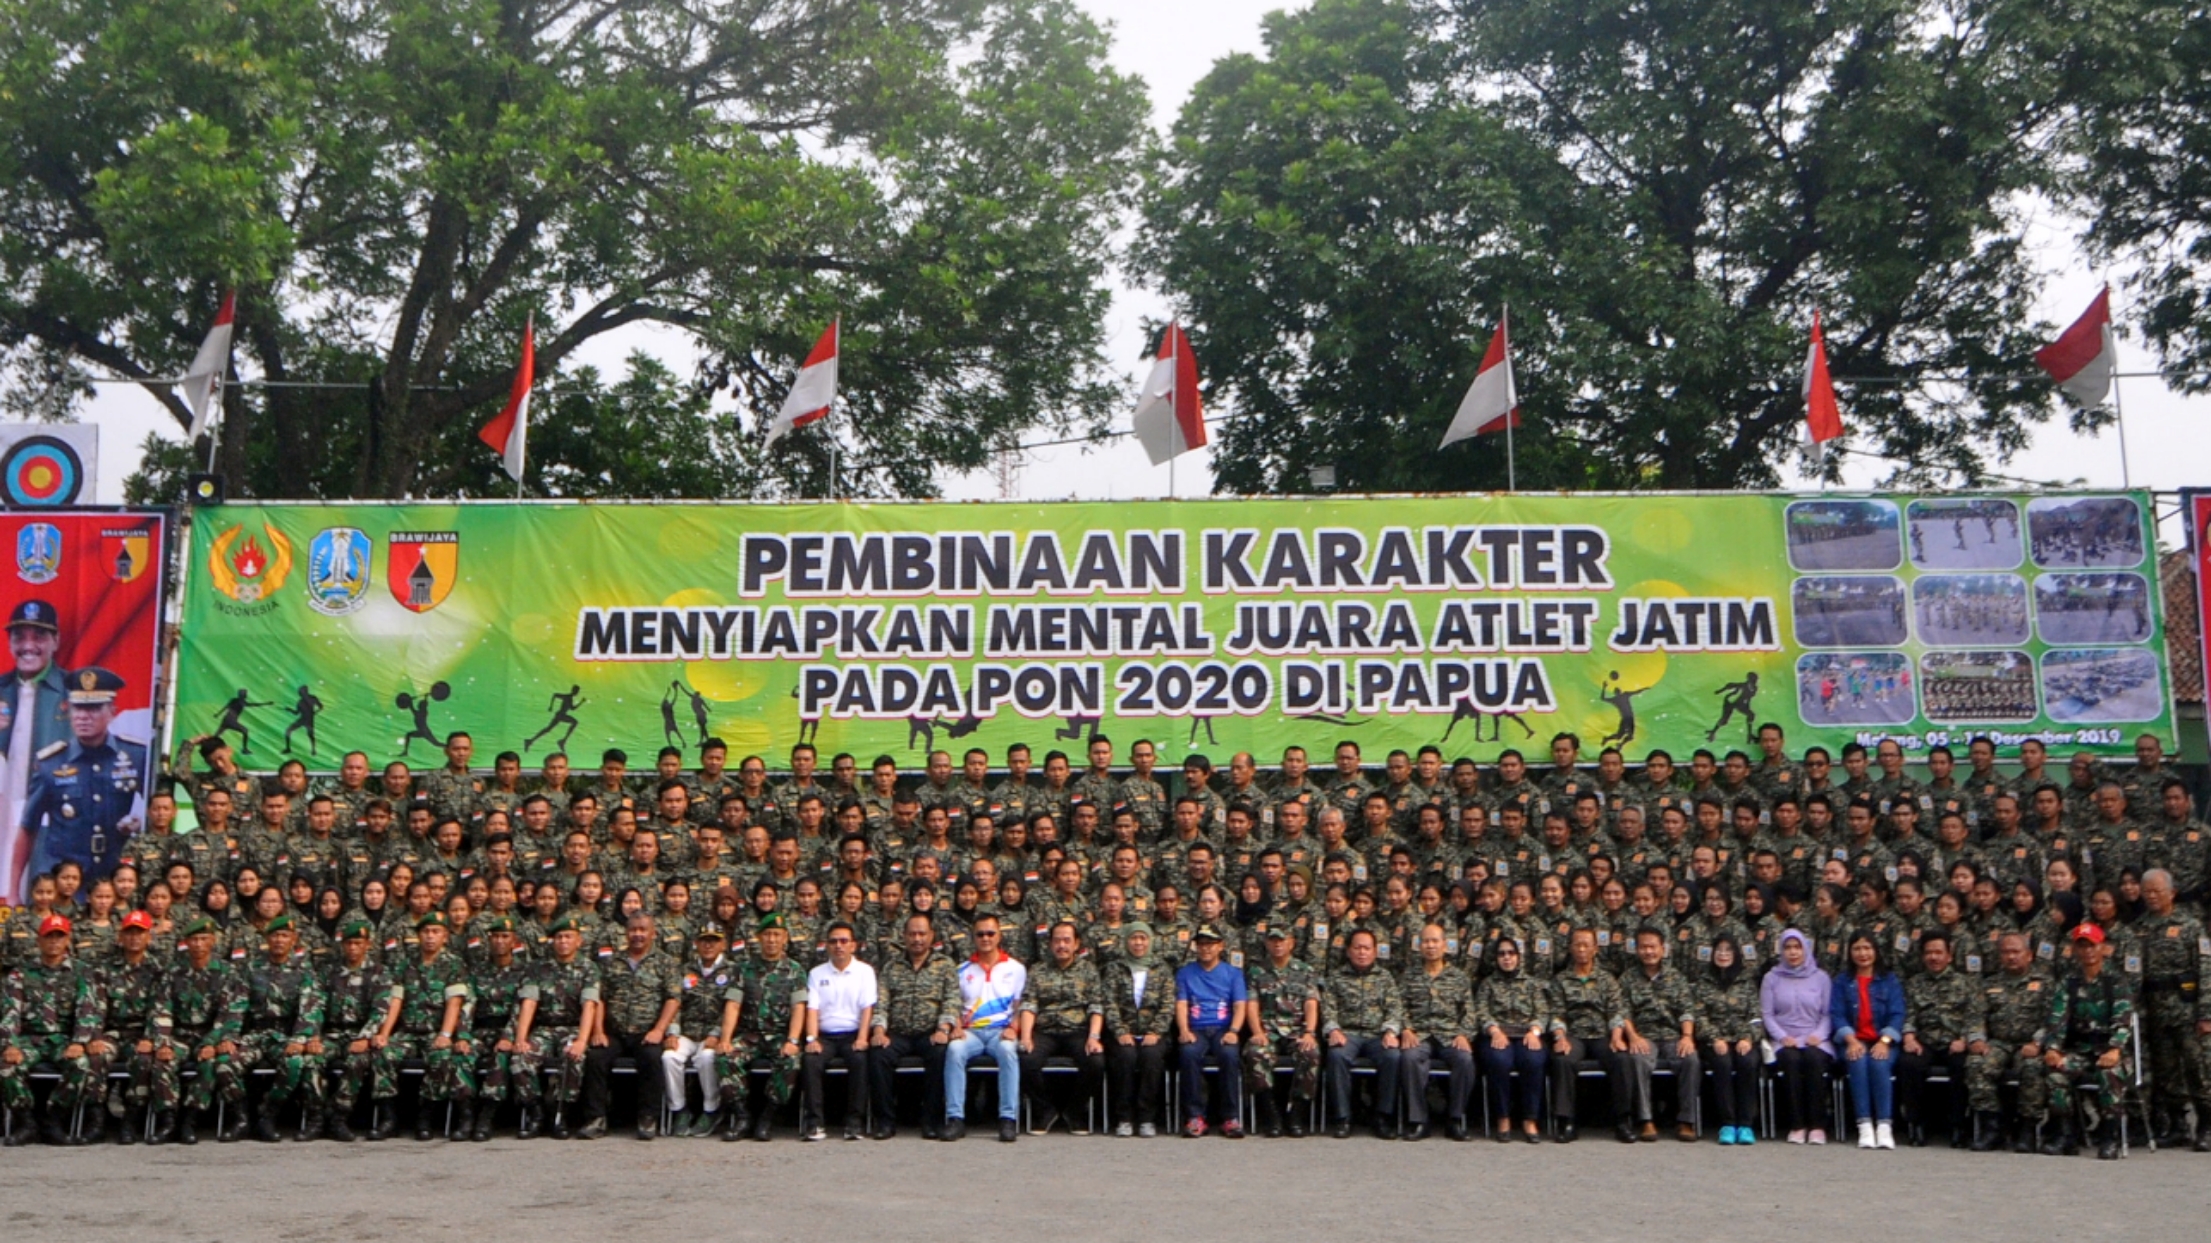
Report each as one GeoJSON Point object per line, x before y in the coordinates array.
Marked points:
{"type": "Point", "coordinates": [1947, 617]}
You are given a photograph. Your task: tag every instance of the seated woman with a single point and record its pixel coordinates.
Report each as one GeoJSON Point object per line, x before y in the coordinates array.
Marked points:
{"type": "Point", "coordinates": [1793, 1005]}
{"type": "Point", "coordinates": [1868, 1009]}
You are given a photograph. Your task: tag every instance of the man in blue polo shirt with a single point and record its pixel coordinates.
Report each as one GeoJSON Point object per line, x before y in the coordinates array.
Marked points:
{"type": "Point", "coordinates": [1210, 1008]}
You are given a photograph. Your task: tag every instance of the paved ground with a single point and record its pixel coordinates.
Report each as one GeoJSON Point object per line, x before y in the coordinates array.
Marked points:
{"type": "Point", "coordinates": [1087, 1188]}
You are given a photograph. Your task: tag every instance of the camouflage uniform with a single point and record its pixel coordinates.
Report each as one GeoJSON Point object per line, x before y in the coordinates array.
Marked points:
{"type": "Point", "coordinates": [355, 1000]}
{"type": "Point", "coordinates": [771, 992]}
{"type": "Point", "coordinates": [284, 1007]}
{"type": "Point", "coordinates": [130, 997]}
{"type": "Point", "coordinates": [561, 993]}
{"type": "Point", "coordinates": [1439, 1009]}
{"type": "Point", "coordinates": [44, 1010]}
{"type": "Point", "coordinates": [2175, 976]}
{"type": "Point", "coordinates": [1279, 994]}
{"type": "Point", "coordinates": [424, 988]}
{"type": "Point", "coordinates": [2087, 1019]}
{"type": "Point", "coordinates": [497, 994]}
{"type": "Point", "coordinates": [2015, 1012]}
{"type": "Point", "coordinates": [1364, 1006]}
{"type": "Point", "coordinates": [201, 1009]}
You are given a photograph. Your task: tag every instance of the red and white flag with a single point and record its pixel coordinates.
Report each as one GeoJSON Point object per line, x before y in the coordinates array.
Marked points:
{"type": "Point", "coordinates": [2083, 357]}
{"type": "Point", "coordinates": [1491, 403]}
{"type": "Point", "coordinates": [506, 433]}
{"type": "Point", "coordinates": [203, 383]}
{"type": "Point", "coordinates": [1822, 417]}
{"type": "Point", "coordinates": [1168, 419]}
{"type": "Point", "coordinates": [813, 393]}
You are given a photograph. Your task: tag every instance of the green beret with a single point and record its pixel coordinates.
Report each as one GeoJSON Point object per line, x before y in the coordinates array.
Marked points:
{"type": "Point", "coordinates": [433, 919]}
{"type": "Point", "coordinates": [566, 923]}
{"type": "Point", "coordinates": [282, 923]}
{"type": "Point", "coordinates": [498, 923]}
{"type": "Point", "coordinates": [773, 919]}
{"type": "Point", "coordinates": [194, 927]}
{"type": "Point", "coordinates": [355, 928]}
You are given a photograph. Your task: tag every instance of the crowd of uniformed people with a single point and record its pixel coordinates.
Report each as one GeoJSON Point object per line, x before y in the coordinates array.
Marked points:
{"type": "Point", "coordinates": [2002, 959]}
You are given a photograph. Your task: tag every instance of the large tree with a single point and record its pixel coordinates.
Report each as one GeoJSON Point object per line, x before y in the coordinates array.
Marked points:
{"type": "Point", "coordinates": [1664, 191]}
{"type": "Point", "coordinates": [393, 185]}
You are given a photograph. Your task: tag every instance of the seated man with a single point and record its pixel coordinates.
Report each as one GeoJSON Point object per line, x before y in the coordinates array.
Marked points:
{"type": "Point", "coordinates": [1062, 1015]}
{"type": "Point", "coordinates": [2091, 1026]}
{"type": "Point", "coordinates": [1439, 1025]}
{"type": "Point", "coordinates": [2015, 1014]}
{"type": "Point", "coordinates": [1942, 1018]}
{"type": "Point", "coordinates": [840, 1008]}
{"type": "Point", "coordinates": [1211, 1007]}
{"type": "Point", "coordinates": [1361, 1014]}
{"type": "Point", "coordinates": [49, 1013]}
{"type": "Point", "coordinates": [1661, 1033]}
{"type": "Point", "coordinates": [1592, 1015]}
{"type": "Point", "coordinates": [991, 986]}
{"type": "Point", "coordinates": [918, 1002]}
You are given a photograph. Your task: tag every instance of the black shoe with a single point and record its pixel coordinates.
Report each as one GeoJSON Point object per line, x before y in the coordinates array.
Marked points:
{"type": "Point", "coordinates": [955, 1130]}
{"type": "Point", "coordinates": [1988, 1131]}
{"type": "Point", "coordinates": [1342, 1129]}
{"type": "Point", "coordinates": [558, 1126]}
{"type": "Point", "coordinates": [54, 1129]}
{"type": "Point", "coordinates": [234, 1127]}
{"type": "Point", "coordinates": [1415, 1133]}
{"type": "Point", "coordinates": [165, 1128]}
{"type": "Point", "coordinates": [525, 1126]}
{"type": "Point", "coordinates": [337, 1128]}
{"type": "Point", "coordinates": [736, 1126]}
{"type": "Point", "coordinates": [1270, 1117]}
{"type": "Point", "coordinates": [463, 1122]}
{"type": "Point", "coordinates": [188, 1126]}
{"type": "Point", "coordinates": [2061, 1142]}
{"type": "Point", "coordinates": [594, 1129]}
{"type": "Point", "coordinates": [2107, 1140]}
{"type": "Point", "coordinates": [851, 1130]}
{"type": "Point", "coordinates": [2203, 1138]}
{"type": "Point", "coordinates": [383, 1121]}
{"type": "Point", "coordinates": [1567, 1132]}
{"type": "Point", "coordinates": [1385, 1128]}
{"type": "Point", "coordinates": [884, 1130]}
{"type": "Point", "coordinates": [1503, 1135]}
{"type": "Point", "coordinates": [132, 1127]}
{"type": "Point", "coordinates": [264, 1126]}
{"type": "Point", "coordinates": [423, 1129]}
{"type": "Point", "coordinates": [762, 1125]}
{"type": "Point", "coordinates": [1455, 1131]}
{"type": "Point", "coordinates": [1532, 1137]}
{"type": "Point", "coordinates": [487, 1113]}
{"type": "Point", "coordinates": [2022, 1140]}
{"type": "Point", "coordinates": [1294, 1126]}
{"type": "Point", "coordinates": [1008, 1130]}
{"type": "Point", "coordinates": [648, 1131]}
{"type": "Point", "coordinates": [1626, 1132]}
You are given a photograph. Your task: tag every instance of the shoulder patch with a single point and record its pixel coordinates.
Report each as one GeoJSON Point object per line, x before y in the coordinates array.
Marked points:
{"type": "Point", "coordinates": [50, 750]}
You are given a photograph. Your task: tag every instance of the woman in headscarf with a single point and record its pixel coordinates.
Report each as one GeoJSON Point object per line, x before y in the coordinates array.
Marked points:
{"type": "Point", "coordinates": [1793, 1006]}
{"type": "Point", "coordinates": [2026, 902]}
{"type": "Point", "coordinates": [1512, 1012]}
{"type": "Point", "coordinates": [1728, 1018]}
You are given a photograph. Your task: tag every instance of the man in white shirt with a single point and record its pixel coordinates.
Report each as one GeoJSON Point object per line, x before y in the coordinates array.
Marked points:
{"type": "Point", "coordinates": [991, 985]}
{"type": "Point", "coordinates": [840, 1007]}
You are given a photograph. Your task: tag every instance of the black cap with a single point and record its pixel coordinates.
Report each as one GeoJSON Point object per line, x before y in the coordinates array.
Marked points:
{"type": "Point", "coordinates": [92, 686]}
{"type": "Point", "coordinates": [36, 614]}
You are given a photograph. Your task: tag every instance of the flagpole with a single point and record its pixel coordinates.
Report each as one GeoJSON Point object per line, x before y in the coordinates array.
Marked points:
{"type": "Point", "coordinates": [2118, 411]}
{"type": "Point", "coordinates": [1512, 416]}
{"type": "Point", "coordinates": [1174, 354]}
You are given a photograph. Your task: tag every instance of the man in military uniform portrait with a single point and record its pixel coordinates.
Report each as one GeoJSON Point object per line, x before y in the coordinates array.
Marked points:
{"type": "Point", "coordinates": [33, 718]}
{"type": "Point", "coordinates": [86, 795]}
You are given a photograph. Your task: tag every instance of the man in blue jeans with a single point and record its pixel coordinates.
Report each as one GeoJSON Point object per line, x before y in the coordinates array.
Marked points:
{"type": "Point", "coordinates": [991, 985]}
{"type": "Point", "coordinates": [1211, 1005]}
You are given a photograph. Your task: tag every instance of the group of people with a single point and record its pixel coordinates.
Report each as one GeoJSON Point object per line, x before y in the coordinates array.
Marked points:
{"type": "Point", "coordinates": [1322, 945]}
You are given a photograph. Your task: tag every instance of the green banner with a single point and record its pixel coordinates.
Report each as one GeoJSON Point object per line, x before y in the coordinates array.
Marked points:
{"type": "Point", "coordinates": [1474, 622]}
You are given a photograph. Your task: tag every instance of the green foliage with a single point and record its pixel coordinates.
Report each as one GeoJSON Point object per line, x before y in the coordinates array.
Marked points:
{"type": "Point", "coordinates": [1663, 192]}
{"type": "Point", "coordinates": [393, 185]}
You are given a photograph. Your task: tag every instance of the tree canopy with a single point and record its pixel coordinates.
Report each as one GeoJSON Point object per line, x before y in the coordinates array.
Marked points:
{"type": "Point", "coordinates": [1664, 191]}
{"type": "Point", "coordinates": [392, 186]}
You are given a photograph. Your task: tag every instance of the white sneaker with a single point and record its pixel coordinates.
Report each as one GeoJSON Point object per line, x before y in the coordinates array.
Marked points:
{"type": "Point", "coordinates": [1817, 1136]}
{"type": "Point", "coordinates": [1884, 1135]}
{"type": "Point", "coordinates": [1124, 1130]}
{"type": "Point", "coordinates": [1797, 1136]}
{"type": "Point", "coordinates": [1147, 1131]}
{"type": "Point", "coordinates": [1865, 1133]}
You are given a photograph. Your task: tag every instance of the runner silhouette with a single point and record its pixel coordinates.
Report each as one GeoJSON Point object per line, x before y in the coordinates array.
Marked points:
{"type": "Point", "coordinates": [563, 706]}
{"type": "Point", "coordinates": [701, 711]}
{"type": "Point", "coordinates": [1736, 697]}
{"type": "Point", "coordinates": [1623, 702]}
{"type": "Point", "coordinates": [233, 718]}
{"type": "Point", "coordinates": [669, 730]}
{"type": "Point", "coordinates": [304, 712]}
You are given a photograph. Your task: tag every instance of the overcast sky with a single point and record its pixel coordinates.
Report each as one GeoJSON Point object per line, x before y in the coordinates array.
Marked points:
{"type": "Point", "coordinates": [2165, 432]}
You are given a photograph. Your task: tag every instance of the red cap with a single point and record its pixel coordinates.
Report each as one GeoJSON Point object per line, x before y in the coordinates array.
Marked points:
{"type": "Point", "coordinates": [53, 924]}
{"type": "Point", "coordinates": [140, 920]}
{"type": "Point", "coordinates": [2089, 933]}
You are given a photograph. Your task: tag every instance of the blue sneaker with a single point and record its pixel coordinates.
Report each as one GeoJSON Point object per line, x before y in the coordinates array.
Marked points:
{"type": "Point", "coordinates": [1746, 1136]}
{"type": "Point", "coordinates": [1727, 1135]}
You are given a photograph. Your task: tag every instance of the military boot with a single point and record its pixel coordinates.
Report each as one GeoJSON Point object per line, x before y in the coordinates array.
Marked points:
{"type": "Point", "coordinates": [264, 1123]}
{"type": "Point", "coordinates": [2062, 1142]}
{"type": "Point", "coordinates": [2107, 1140]}
{"type": "Point", "coordinates": [1988, 1130]}
{"type": "Point", "coordinates": [338, 1128]}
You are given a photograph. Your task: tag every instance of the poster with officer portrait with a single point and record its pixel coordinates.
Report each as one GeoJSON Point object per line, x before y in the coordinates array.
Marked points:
{"type": "Point", "coordinates": [83, 608]}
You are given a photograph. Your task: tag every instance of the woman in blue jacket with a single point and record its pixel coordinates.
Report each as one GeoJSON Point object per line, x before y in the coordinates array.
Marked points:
{"type": "Point", "coordinates": [1869, 1021]}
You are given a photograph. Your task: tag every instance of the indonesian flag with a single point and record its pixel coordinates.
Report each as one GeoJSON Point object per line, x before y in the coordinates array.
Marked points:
{"type": "Point", "coordinates": [1168, 420]}
{"type": "Point", "coordinates": [2083, 357]}
{"type": "Point", "coordinates": [1822, 417]}
{"type": "Point", "coordinates": [813, 392]}
{"type": "Point", "coordinates": [204, 382]}
{"type": "Point", "coordinates": [1491, 403]}
{"type": "Point", "coordinates": [506, 433]}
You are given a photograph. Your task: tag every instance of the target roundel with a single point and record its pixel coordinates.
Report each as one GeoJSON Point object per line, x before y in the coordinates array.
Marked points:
{"type": "Point", "coordinates": [41, 471]}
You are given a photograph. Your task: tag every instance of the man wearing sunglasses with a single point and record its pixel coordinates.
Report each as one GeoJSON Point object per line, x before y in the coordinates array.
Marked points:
{"type": "Point", "coordinates": [991, 985]}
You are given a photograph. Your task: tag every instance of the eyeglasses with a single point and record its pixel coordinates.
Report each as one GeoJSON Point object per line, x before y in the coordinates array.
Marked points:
{"type": "Point", "coordinates": [980, 935]}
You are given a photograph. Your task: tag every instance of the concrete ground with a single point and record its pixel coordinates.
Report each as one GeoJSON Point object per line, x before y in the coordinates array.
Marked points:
{"type": "Point", "coordinates": [1082, 1188]}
